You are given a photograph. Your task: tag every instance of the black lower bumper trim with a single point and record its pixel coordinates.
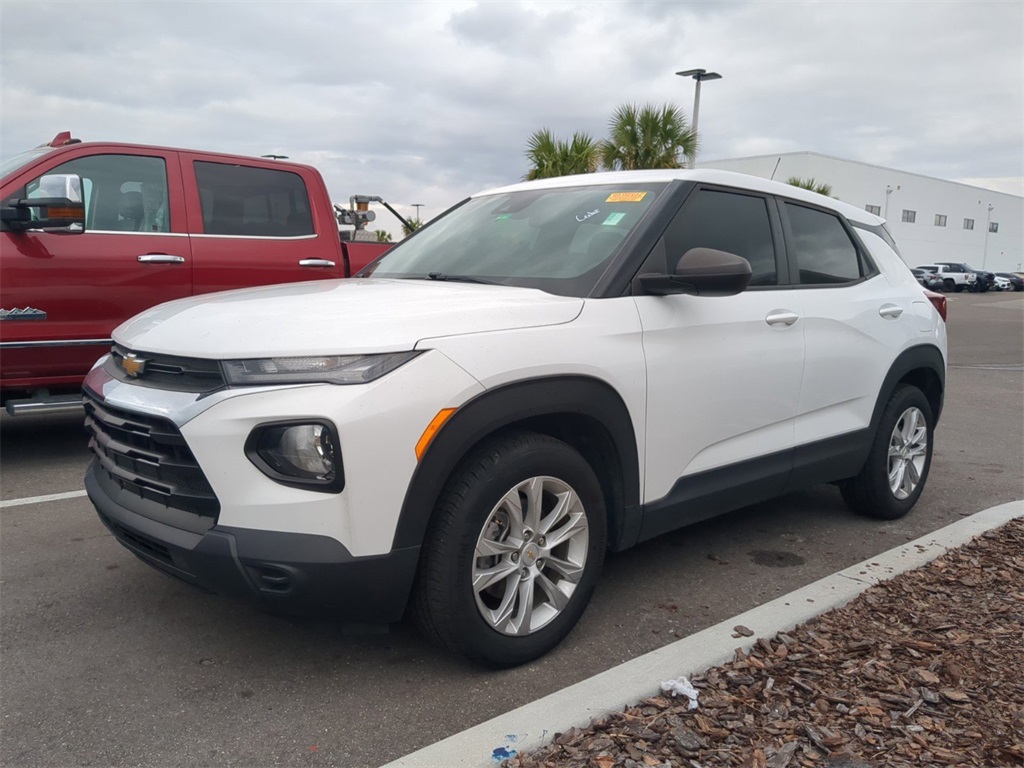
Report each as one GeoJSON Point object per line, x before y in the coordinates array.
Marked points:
{"type": "Point", "coordinates": [287, 573]}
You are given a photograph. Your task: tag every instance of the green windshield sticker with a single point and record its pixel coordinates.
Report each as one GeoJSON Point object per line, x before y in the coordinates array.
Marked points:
{"type": "Point", "coordinates": [613, 219]}
{"type": "Point", "coordinates": [504, 216]}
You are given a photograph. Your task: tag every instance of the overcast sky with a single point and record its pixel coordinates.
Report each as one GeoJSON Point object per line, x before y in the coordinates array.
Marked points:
{"type": "Point", "coordinates": [428, 102]}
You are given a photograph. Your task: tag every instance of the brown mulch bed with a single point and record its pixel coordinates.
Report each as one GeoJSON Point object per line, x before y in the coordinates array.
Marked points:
{"type": "Point", "coordinates": [924, 670]}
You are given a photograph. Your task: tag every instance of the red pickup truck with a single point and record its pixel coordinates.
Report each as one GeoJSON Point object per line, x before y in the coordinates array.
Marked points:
{"type": "Point", "coordinates": [92, 233]}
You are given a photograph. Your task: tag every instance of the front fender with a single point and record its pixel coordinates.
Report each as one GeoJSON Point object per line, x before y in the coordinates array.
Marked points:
{"type": "Point", "coordinates": [513, 404]}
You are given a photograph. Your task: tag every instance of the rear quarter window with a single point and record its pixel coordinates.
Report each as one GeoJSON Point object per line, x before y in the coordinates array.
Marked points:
{"type": "Point", "coordinates": [824, 252]}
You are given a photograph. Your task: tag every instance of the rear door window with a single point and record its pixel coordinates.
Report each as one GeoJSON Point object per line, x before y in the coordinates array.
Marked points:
{"type": "Point", "coordinates": [252, 202]}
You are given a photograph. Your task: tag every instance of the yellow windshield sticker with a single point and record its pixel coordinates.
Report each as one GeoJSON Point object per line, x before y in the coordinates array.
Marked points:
{"type": "Point", "coordinates": [626, 197]}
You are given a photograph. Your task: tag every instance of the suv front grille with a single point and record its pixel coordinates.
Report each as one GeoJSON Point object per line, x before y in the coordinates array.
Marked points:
{"type": "Point", "coordinates": [177, 374]}
{"type": "Point", "coordinates": [147, 456]}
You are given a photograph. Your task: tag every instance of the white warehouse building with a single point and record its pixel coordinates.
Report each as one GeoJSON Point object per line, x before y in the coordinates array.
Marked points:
{"type": "Point", "coordinates": [930, 219]}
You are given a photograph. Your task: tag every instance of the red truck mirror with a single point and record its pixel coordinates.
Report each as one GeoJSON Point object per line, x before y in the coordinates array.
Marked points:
{"type": "Point", "coordinates": [61, 209]}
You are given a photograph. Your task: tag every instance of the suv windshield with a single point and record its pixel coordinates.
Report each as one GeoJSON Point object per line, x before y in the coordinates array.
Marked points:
{"type": "Point", "coordinates": [559, 240]}
{"type": "Point", "coordinates": [12, 164]}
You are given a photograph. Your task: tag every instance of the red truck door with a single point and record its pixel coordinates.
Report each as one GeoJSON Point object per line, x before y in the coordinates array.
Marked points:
{"type": "Point", "coordinates": [133, 254]}
{"type": "Point", "coordinates": [258, 224]}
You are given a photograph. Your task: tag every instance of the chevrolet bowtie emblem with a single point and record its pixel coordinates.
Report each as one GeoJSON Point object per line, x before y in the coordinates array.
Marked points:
{"type": "Point", "coordinates": [133, 366]}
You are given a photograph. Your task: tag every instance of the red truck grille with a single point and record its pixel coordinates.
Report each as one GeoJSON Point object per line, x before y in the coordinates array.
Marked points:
{"type": "Point", "coordinates": [147, 456]}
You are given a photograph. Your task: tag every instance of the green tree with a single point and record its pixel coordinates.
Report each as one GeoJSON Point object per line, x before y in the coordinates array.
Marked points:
{"type": "Point", "coordinates": [383, 236]}
{"type": "Point", "coordinates": [648, 136]}
{"type": "Point", "coordinates": [411, 226]}
{"type": "Point", "coordinates": [814, 186]}
{"type": "Point", "coordinates": [549, 156]}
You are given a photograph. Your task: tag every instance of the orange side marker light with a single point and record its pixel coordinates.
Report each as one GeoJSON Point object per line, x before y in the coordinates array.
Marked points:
{"type": "Point", "coordinates": [432, 429]}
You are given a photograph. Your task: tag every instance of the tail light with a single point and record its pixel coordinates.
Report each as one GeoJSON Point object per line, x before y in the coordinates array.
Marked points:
{"type": "Point", "coordinates": [938, 301]}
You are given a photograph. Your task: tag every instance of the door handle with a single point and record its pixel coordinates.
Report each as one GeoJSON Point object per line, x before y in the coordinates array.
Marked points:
{"type": "Point", "coordinates": [326, 263]}
{"type": "Point", "coordinates": [890, 310]}
{"type": "Point", "coordinates": [161, 258]}
{"type": "Point", "coordinates": [781, 317]}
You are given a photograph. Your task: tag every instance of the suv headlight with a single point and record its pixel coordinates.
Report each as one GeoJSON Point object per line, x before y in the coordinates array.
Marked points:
{"type": "Point", "coordinates": [331, 369]}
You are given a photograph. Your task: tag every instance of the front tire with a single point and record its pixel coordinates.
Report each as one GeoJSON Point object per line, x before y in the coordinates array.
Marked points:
{"type": "Point", "coordinates": [897, 466]}
{"type": "Point", "coordinates": [514, 551]}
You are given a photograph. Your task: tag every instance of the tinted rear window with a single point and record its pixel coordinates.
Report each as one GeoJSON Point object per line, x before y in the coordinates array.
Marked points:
{"type": "Point", "coordinates": [252, 202]}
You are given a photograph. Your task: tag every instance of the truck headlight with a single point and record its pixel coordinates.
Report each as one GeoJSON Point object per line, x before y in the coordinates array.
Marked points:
{"type": "Point", "coordinates": [298, 454]}
{"type": "Point", "coordinates": [329, 369]}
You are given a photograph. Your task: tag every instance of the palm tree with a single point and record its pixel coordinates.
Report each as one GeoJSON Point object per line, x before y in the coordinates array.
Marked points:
{"type": "Point", "coordinates": [411, 226]}
{"type": "Point", "coordinates": [814, 186]}
{"type": "Point", "coordinates": [648, 136]}
{"type": "Point", "coordinates": [383, 236]}
{"type": "Point", "coordinates": [549, 156]}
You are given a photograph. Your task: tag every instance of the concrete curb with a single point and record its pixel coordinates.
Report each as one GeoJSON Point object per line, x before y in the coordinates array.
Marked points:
{"type": "Point", "coordinates": [531, 725]}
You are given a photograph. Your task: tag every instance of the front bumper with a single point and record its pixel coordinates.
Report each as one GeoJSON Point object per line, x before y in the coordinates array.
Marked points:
{"type": "Point", "coordinates": [287, 573]}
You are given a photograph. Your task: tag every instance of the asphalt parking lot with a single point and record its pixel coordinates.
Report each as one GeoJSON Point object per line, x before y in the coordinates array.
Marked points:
{"type": "Point", "coordinates": [104, 661]}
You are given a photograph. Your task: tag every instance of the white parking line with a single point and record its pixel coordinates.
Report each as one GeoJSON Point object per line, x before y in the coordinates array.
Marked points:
{"type": "Point", "coordinates": [41, 499]}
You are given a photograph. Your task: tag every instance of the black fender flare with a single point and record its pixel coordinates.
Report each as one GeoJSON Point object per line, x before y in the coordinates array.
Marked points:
{"type": "Point", "coordinates": [921, 357]}
{"type": "Point", "coordinates": [506, 406]}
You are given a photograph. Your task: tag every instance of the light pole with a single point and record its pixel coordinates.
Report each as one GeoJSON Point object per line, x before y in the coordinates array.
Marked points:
{"type": "Point", "coordinates": [417, 206]}
{"type": "Point", "coordinates": [988, 224]}
{"type": "Point", "coordinates": [700, 75]}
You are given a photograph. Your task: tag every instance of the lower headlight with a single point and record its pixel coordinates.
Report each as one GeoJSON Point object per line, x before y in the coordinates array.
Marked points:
{"type": "Point", "coordinates": [298, 454]}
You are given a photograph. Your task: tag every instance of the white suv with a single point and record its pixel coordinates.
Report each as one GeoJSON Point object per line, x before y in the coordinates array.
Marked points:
{"type": "Point", "coordinates": [954, 278]}
{"type": "Point", "coordinates": [546, 372]}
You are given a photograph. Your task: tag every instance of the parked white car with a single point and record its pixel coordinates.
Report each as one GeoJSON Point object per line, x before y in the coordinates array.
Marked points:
{"type": "Point", "coordinates": [1001, 283]}
{"type": "Point", "coordinates": [954, 277]}
{"type": "Point", "coordinates": [548, 371]}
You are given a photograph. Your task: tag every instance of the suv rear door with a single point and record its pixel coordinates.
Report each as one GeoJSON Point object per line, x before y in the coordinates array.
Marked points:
{"type": "Point", "coordinates": [133, 254]}
{"type": "Point", "coordinates": [259, 220]}
{"type": "Point", "coordinates": [855, 324]}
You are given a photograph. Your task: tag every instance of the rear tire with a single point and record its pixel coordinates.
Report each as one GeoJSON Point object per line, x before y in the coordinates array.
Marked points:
{"type": "Point", "coordinates": [897, 466]}
{"type": "Point", "coordinates": [514, 551]}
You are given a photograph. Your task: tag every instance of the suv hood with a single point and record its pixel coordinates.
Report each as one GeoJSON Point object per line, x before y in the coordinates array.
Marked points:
{"type": "Point", "coordinates": [355, 316]}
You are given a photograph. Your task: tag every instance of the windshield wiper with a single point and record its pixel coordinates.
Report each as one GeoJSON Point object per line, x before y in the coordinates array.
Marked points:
{"type": "Point", "coordinates": [459, 278]}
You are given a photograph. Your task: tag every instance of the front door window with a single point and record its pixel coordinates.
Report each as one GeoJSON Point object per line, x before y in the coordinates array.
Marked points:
{"type": "Point", "coordinates": [123, 193]}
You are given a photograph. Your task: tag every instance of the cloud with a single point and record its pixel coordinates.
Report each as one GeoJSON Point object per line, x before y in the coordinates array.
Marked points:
{"type": "Point", "coordinates": [428, 102]}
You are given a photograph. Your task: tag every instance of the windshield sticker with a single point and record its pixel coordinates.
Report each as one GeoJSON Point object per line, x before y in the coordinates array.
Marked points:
{"type": "Point", "coordinates": [613, 219]}
{"type": "Point", "coordinates": [625, 197]}
{"type": "Point", "coordinates": [588, 214]}
{"type": "Point", "coordinates": [504, 216]}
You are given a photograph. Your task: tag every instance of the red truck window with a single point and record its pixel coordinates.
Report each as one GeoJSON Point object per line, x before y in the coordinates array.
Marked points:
{"type": "Point", "coordinates": [123, 193]}
{"type": "Point", "coordinates": [254, 202]}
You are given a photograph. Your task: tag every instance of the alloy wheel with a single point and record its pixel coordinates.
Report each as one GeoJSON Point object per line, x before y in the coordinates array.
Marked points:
{"type": "Point", "coordinates": [908, 450]}
{"type": "Point", "coordinates": [530, 556]}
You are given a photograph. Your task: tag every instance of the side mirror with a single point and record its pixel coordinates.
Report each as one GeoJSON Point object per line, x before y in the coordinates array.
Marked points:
{"type": "Point", "coordinates": [702, 272]}
{"type": "Point", "coordinates": [60, 210]}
